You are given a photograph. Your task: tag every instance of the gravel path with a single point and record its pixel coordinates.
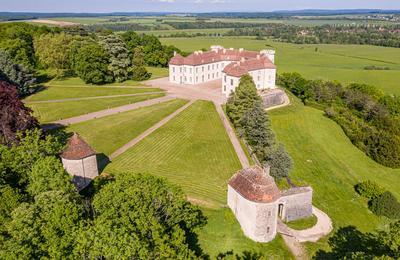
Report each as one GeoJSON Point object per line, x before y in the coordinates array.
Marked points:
{"type": "Point", "coordinates": [106, 112]}
{"type": "Point", "coordinates": [149, 131]}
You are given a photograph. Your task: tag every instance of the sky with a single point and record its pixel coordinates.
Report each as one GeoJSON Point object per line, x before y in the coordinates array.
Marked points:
{"type": "Point", "coordinates": [188, 5]}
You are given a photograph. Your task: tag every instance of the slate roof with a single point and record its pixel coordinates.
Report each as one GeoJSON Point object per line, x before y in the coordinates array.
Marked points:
{"type": "Point", "coordinates": [256, 185]}
{"type": "Point", "coordinates": [77, 149]}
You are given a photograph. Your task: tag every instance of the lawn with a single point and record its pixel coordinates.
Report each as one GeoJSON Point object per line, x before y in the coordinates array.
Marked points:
{"type": "Point", "coordinates": [223, 234]}
{"type": "Point", "coordinates": [192, 150]}
{"type": "Point", "coordinates": [48, 112]}
{"type": "Point", "coordinates": [326, 159]}
{"type": "Point", "coordinates": [114, 131]}
{"type": "Point", "coordinates": [55, 93]}
{"type": "Point", "coordinates": [344, 63]}
{"type": "Point", "coordinates": [302, 224]}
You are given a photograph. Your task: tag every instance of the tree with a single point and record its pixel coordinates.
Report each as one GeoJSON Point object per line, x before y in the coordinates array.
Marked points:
{"type": "Point", "coordinates": [385, 205]}
{"type": "Point", "coordinates": [119, 60]}
{"type": "Point", "coordinates": [53, 50]}
{"type": "Point", "coordinates": [280, 162]}
{"type": "Point", "coordinates": [242, 100]}
{"type": "Point", "coordinates": [10, 199]}
{"type": "Point", "coordinates": [15, 74]}
{"type": "Point", "coordinates": [255, 128]}
{"type": "Point", "coordinates": [47, 228]}
{"type": "Point", "coordinates": [139, 70]}
{"type": "Point", "coordinates": [91, 65]}
{"type": "Point", "coordinates": [48, 174]}
{"type": "Point", "coordinates": [391, 239]}
{"type": "Point", "coordinates": [14, 116]}
{"type": "Point", "coordinates": [141, 216]}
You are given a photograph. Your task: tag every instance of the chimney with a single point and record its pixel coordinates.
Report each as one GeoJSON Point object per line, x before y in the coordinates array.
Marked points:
{"type": "Point", "coordinates": [241, 50]}
{"type": "Point", "coordinates": [224, 51]}
{"type": "Point", "coordinates": [242, 59]}
{"type": "Point", "coordinates": [258, 56]}
{"type": "Point", "coordinates": [175, 53]}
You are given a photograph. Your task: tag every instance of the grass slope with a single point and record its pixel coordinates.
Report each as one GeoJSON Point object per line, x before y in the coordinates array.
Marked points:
{"type": "Point", "coordinates": [114, 131]}
{"type": "Point", "coordinates": [192, 150]}
{"type": "Point", "coordinates": [344, 63]}
{"type": "Point", "coordinates": [326, 159]}
{"type": "Point", "coordinates": [223, 234]}
{"type": "Point", "coordinates": [48, 112]}
{"type": "Point", "coordinates": [53, 93]}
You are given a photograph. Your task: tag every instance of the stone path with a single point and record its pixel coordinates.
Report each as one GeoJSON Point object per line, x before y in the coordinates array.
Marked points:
{"type": "Point", "coordinates": [294, 238]}
{"type": "Point", "coordinates": [106, 112]}
{"type": "Point", "coordinates": [90, 98]}
{"type": "Point", "coordinates": [234, 140]}
{"type": "Point", "coordinates": [149, 131]}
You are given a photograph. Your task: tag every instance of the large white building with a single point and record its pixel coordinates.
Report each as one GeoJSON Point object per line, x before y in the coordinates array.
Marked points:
{"type": "Point", "coordinates": [226, 64]}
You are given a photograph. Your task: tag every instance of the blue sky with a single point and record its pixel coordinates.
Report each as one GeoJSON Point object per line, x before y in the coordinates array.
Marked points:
{"type": "Point", "coordinates": [188, 5]}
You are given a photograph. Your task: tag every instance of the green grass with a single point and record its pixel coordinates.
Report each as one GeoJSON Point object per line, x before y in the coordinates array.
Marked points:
{"type": "Point", "coordinates": [344, 63]}
{"type": "Point", "coordinates": [223, 234]}
{"type": "Point", "coordinates": [193, 150]}
{"type": "Point", "coordinates": [114, 131]}
{"type": "Point", "coordinates": [326, 159]}
{"type": "Point", "coordinates": [48, 112]}
{"type": "Point", "coordinates": [54, 93]}
{"type": "Point", "coordinates": [303, 223]}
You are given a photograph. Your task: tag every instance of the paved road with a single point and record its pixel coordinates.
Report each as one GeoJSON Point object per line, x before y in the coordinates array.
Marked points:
{"type": "Point", "coordinates": [149, 131]}
{"type": "Point", "coordinates": [107, 112]}
{"type": "Point", "coordinates": [90, 98]}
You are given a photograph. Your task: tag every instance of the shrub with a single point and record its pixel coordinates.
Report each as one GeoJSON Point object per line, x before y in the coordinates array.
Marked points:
{"type": "Point", "coordinates": [385, 205]}
{"type": "Point", "coordinates": [369, 189]}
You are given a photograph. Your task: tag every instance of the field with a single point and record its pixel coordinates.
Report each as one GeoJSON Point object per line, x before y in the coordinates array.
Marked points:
{"type": "Point", "coordinates": [114, 131]}
{"type": "Point", "coordinates": [344, 63]}
{"type": "Point", "coordinates": [326, 159]}
{"type": "Point", "coordinates": [192, 150]}
{"type": "Point", "coordinates": [48, 112]}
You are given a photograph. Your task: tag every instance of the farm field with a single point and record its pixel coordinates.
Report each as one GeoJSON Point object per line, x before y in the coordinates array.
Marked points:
{"type": "Point", "coordinates": [192, 150]}
{"type": "Point", "coordinates": [325, 158]}
{"type": "Point", "coordinates": [114, 131]}
{"type": "Point", "coordinates": [48, 112]}
{"type": "Point", "coordinates": [344, 63]}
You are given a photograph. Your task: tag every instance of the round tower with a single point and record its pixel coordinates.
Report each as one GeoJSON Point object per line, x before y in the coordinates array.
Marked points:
{"type": "Point", "coordinates": [79, 160]}
{"type": "Point", "coordinates": [254, 199]}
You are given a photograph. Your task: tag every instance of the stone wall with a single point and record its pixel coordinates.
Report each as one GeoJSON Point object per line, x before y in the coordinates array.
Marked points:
{"type": "Point", "coordinates": [257, 220]}
{"type": "Point", "coordinates": [273, 98]}
{"type": "Point", "coordinates": [297, 203]}
{"type": "Point", "coordinates": [83, 171]}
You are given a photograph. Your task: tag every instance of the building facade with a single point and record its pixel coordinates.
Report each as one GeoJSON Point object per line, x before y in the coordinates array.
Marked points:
{"type": "Point", "coordinates": [226, 64]}
{"type": "Point", "coordinates": [257, 203]}
{"type": "Point", "coordinates": [80, 161]}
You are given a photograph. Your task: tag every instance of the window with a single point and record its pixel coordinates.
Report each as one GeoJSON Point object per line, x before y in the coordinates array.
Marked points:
{"type": "Point", "coordinates": [174, 78]}
{"type": "Point", "coordinates": [197, 70]}
{"type": "Point", "coordinates": [232, 82]}
{"type": "Point", "coordinates": [213, 66]}
{"type": "Point", "coordinates": [259, 78]}
{"type": "Point", "coordinates": [202, 68]}
{"type": "Point", "coordinates": [173, 69]}
{"type": "Point", "coordinates": [197, 79]}
{"type": "Point", "coordinates": [190, 79]}
{"type": "Point", "coordinates": [185, 79]}
{"type": "Point", "coordinates": [225, 79]}
{"type": "Point", "coordinates": [268, 230]}
{"type": "Point", "coordinates": [213, 75]}
{"type": "Point", "coordinates": [190, 70]}
{"type": "Point", "coordinates": [202, 78]}
{"type": "Point", "coordinates": [208, 67]}
{"type": "Point", "coordinates": [269, 213]}
{"type": "Point", "coordinates": [208, 76]}
{"type": "Point", "coordinates": [180, 69]}
{"type": "Point", "coordinates": [217, 65]}
{"type": "Point", "coordinates": [224, 88]}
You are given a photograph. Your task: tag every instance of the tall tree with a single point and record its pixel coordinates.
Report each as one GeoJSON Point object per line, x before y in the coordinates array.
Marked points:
{"type": "Point", "coordinates": [280, 162]}
{"type": "Point", "coordinates": [15, 74]}
{"type": "Point", "coordinates": [53, 50]}
{"type": "Point", "coordinates": [142, 217]}
{"type": "Point", "coordinates": [120, 61]}
{"type": "Point", "coordinates": [91, 64]}
{"type": "Point", "coordinates": [14, 116]}
{"type": "Point", "coordinates": [47, 228]}
{"type": "Point", "coordinates": [242, 100]}
{"type": "Point", "coordinates": [139, 70]}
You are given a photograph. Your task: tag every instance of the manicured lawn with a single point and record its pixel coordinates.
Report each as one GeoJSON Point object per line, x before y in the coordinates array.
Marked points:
{"type": "Point", "coordinates": [326, 159]}
{"type": "Point", "coordinates": [48, 112]}
{"type": "Point", "coordinates": [223, 234]}
{"type": "Point", "coordinates": [53, 93]}
{"type": "Point", "coordinates": [114, 131]}
{"type": "Point", "coordinates": [192, 150]}
{"type": "Point", "coordinates": [344, 63]}
{"type": "Point", "coordinates": [303, 223]}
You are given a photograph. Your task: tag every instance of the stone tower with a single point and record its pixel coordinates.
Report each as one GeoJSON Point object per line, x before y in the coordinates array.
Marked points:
{"type": "Point", "coordinates": [79, 160]}
{"type": "Point", "coordinates": [253, 197]}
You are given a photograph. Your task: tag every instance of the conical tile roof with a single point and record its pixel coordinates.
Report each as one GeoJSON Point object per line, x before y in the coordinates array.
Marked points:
{"type": "Point", "coordinates": [77, 149]}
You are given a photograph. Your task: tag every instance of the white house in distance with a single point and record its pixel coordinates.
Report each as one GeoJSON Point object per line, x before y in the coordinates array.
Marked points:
{"type": "Point", "coordinates": [226, 64]}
